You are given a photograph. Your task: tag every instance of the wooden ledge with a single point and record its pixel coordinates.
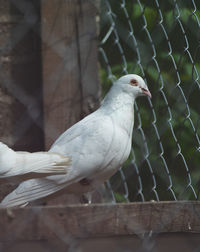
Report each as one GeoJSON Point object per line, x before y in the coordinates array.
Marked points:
{"type": "Point", "coordinates": [98, 220]}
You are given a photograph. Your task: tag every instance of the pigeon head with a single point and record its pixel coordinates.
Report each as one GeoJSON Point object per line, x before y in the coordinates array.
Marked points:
{"type": "Point", "coordinates": [134, 84]}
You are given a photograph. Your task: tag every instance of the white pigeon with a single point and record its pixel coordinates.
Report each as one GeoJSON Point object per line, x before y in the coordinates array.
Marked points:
{"type": "Point", "coordinates": [99, 145]}
{"type": "Point", "coordinates": [17, 163]}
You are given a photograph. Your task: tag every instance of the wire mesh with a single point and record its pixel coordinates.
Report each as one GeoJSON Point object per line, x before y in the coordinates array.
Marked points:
{"type": "Point", "coordinates": [159, 41]}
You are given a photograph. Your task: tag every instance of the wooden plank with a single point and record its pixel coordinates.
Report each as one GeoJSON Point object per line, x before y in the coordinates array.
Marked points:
{"type": "Point", "coordinates": [20, 76]}
{"type": "Point", "coordinates": [70, 72]}
{"type": "Point", "coordinates": [21, 124]}
{"type": "Point", "coordinates": [172, 242]}
{"type": "Point", "coordinates": [98, 220]}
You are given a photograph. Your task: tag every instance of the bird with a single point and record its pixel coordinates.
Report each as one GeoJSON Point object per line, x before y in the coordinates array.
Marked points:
{"type": "Point", "coordinates": [18, 163]}
{"type": "Point", "coordinates": [98, 144]}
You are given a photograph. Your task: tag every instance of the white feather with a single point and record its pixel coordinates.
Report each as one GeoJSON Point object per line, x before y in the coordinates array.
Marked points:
{"type": "Point", "coordinates": [99, 144]}
{"type": "Point", "coordinates": [22, 163]}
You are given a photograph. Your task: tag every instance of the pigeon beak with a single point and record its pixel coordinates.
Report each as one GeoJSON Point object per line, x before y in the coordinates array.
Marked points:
{"type": "Point", "coordinates": [146, 92]}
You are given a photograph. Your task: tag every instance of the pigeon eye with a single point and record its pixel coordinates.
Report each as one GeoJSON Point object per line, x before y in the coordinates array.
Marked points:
{"type": "Point", "coordinates": [134, 82]}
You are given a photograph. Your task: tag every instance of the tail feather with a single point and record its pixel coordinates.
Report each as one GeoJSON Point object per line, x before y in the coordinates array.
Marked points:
{"type": "Point", "coordinates": [39, 163]}
{"type": "Point", "coordinates": [30, 190]}
{"type": "Point", "coordinates": [54, 164]}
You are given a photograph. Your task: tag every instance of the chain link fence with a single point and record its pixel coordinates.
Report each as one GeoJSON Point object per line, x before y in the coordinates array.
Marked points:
{"type": "Point", "coordinates": [158, 40]}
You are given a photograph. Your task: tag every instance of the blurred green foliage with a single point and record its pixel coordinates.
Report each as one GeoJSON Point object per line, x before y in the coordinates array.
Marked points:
{"type": "Point", "coordinates": [172, 72]}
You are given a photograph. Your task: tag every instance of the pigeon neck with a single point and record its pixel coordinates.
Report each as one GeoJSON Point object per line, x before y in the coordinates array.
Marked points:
{"type": "Point", "coordinates": [117, 100]}
{"type": "Point", "coordinates": [119, 106]}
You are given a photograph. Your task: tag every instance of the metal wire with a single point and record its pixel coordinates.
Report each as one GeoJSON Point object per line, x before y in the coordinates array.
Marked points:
{"type": "Point", "coordinates": [121, 34]}
{"type": "Point", "coordinates": [139, 45]}
{"type": "Point", "coordinates": [159, 40]}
